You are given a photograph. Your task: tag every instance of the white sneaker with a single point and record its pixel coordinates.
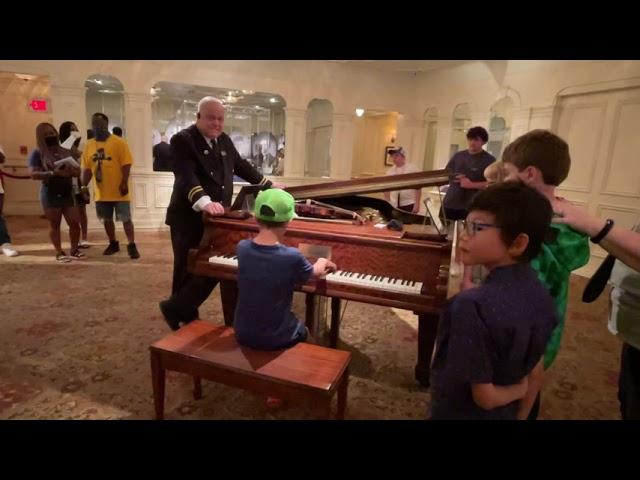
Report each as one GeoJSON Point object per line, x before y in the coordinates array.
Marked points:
{"type": "Point", "coordinates": [9, 251]}
{"type": "Point", "coordinates": [83, 244]}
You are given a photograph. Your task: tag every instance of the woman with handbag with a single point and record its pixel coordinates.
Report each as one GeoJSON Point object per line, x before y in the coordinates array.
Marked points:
{"type": "Point", "coordinates": [54, 165]}
{"type": "Point", "coordinates": [82, 199]}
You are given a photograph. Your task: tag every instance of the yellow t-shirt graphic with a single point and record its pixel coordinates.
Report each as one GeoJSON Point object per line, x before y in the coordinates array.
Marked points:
{"type": "Point", "coordinates": [105, 160]}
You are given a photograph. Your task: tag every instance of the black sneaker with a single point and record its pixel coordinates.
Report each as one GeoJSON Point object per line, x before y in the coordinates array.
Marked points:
{"type": "Point", "coordinates": [170, 316]}
{"type": "Point", "coordinates": [112, 248]}
{"type": "Point", "coordinates": [133, 251]}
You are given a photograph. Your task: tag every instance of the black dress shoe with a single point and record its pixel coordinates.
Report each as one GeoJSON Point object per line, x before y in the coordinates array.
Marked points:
{"type": "Point", "coordinates": [169, 315]}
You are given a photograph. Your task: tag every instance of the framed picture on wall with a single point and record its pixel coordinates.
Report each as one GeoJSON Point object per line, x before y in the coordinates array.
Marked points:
{"type": "Point", "coordinates": [387, 158]}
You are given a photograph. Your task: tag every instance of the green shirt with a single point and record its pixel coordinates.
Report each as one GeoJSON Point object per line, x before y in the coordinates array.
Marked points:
{"type": "Point", "coordinates": [554, 265]}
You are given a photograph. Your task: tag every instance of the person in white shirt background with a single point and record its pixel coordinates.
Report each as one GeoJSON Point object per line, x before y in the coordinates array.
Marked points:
{"type": "Point", "coordinates": [5, 240]}
{"type": "Point", "coordinates": [407, 200]}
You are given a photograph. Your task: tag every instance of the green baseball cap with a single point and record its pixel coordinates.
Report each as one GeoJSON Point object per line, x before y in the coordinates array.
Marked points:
{"type": "Point", "coordinates": [275, 205]}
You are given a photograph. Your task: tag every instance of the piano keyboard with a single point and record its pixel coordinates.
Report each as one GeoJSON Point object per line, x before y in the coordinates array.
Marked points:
{"type": "Point", "coordinates": [347, 278]}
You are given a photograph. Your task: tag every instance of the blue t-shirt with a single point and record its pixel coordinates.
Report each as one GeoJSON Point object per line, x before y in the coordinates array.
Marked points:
{"type": "Point", "coordinates": [267, 276]}
{"type": "Point", "coordinates": [494, 333]}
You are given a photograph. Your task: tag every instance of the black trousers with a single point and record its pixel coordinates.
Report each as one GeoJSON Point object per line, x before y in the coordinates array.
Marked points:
{"type": "Point", "coordinates": [629, 383]}
{"type": "Point", "coordinates": [188, 291]}
{"type": "Point", "coordinates": [453, 213]}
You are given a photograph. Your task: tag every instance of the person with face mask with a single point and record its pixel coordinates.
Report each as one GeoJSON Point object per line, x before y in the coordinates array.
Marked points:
{"type": "Point", "coordinates": [56, 193]}
{"type": "Point", "coordinates": [82, 199]}
{"type": "Point", "coordinates": [107, 159]}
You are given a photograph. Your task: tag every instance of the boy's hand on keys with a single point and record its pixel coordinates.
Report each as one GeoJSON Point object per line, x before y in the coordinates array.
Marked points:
{"type": "Point", "coordinates": [330, 267]}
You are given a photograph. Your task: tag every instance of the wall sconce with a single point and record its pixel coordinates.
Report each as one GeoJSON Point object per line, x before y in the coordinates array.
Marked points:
{"type": "Point", "coordinates": [359, 112]}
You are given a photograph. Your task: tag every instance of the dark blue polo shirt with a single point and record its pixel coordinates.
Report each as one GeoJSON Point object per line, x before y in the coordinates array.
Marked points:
{"type": "Point", "coordinates": [494, 333]}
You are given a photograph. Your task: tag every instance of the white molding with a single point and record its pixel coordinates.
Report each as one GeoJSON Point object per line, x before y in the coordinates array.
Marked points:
{"type": "Point", "coordinates": [160, 192]}
{"type": "Point", "coordinates": [543, 112]}
{"type": "Point", "coordinates": [612, 142]}
{"type": "Point", "coordinates": [622, 84]}
{"type": "Point", "coordinates": [140, 195]}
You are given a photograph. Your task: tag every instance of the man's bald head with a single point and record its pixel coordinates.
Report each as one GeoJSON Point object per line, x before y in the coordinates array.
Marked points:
{"type": "Point", "coordinates": [210, 117]}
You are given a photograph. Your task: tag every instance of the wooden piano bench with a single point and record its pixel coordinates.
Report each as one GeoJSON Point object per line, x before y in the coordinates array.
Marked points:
{"type": "Point", "coordinates": [302, 373]}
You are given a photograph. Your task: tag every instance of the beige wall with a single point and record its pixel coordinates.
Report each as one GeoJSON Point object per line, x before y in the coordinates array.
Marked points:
{"type": "Point", "coordinates": [17, 128]}
{"type": "Point", "coordinates": [357, 144]}
{"type": "Point", "coordinates": [373, 134]}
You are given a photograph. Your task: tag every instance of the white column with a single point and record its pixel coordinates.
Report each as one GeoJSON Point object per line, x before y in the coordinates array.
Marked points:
{"type": "Point", "coordinates": [443, 143]}
{"type": "Point", "coordinates": [520, 123]}
{"type": "Point", "coordinates": [342, 140]}
{"type": "Point", "coordinates": [150, 191]}
{"type": "Point", "coordinates": [69, 104]}
{"type": "Point", "coordinates": [411, 136]}
{"type": "Point", "coordinates": [137, 120]}
{"type": "Point", "coordinates": [295, 137]}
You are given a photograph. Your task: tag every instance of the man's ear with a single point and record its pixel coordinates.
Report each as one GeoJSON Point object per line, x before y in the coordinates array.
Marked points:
{"type": "Point", "coordinates": [519, 245]}
{"type": "Point", "coordinates": [198, 115]}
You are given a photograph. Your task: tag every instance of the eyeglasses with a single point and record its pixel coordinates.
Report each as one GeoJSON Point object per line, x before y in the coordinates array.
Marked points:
{"type": "Point", "coordinates": [471, 228]}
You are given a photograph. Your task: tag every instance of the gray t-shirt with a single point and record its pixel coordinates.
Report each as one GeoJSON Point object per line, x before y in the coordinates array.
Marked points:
{"type": "Point", "coordinates": [624, 320]}
{"type": "Point", "coordinates": [471, 165]}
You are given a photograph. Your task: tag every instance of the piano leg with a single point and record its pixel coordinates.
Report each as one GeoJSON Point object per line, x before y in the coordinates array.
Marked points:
{"type": "Point", "coordinates": [335, 322]}
{"type": "Point", "coordinates": [427, 330]}
{"type": "Point", "coordinates": [229, 296]}
{"type": "Point", "coordinates": [310, 312]}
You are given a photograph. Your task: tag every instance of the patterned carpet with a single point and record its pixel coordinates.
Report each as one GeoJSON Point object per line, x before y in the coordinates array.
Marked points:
{"type": "Point", "coordinates": [74, 344]}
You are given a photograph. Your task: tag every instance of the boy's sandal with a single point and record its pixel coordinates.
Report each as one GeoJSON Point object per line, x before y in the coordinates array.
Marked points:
{"type": "Point", "coordinates": [62, 258]}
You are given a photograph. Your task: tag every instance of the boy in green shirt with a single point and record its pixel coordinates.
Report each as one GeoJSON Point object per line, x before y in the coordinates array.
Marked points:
{"type": "Point", "coordinates": [541, 160]}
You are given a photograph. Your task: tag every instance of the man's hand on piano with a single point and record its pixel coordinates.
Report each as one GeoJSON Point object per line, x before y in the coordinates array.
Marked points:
{"type": "Point", "coordinates": [215, 209]}
{"type": "Point", "coordinates": [279, 185]}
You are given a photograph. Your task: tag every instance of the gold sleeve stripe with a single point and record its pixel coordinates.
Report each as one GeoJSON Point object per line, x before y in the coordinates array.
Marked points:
{"type": "Point", "coordinates": [193, 191]}
{"type": "Point", "coordinates": [263, 181]}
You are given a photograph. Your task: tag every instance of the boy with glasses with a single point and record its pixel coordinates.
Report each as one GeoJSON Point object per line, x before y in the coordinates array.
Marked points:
{"type": "Point", "coordinates": [491, 339]}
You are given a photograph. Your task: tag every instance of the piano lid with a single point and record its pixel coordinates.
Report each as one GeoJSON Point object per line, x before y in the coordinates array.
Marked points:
{"type": "Point", "coordinates": [371, 184]}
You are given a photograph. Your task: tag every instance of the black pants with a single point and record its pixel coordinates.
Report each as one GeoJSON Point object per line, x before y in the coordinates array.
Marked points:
{"type": "Point", "coordinates": [188, 291]}
{"type": "Point", "coordinates": [453, 213]}
{"type": "Point", "coordinates": [629, 383]}
{"type": "Point", "coordinates": [4, 233]}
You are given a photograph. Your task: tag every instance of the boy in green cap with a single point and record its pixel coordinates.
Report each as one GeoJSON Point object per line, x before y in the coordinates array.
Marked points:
{"type": "Point", "coordinates": [268, 272]}
{"type": "Point", "coordinates": [541, 160]}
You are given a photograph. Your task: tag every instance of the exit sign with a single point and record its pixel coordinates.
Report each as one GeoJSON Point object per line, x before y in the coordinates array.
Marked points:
{"type": "Point", "coordinates": [38, 105]}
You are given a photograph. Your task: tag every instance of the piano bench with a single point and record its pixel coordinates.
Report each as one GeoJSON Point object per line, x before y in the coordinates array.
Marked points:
{"type": "Point", "coordinates": [304, 372]}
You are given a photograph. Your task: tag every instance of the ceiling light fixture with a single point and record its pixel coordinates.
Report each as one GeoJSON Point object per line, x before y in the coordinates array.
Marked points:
{"type": "Point", "coordinates": [359, 112]}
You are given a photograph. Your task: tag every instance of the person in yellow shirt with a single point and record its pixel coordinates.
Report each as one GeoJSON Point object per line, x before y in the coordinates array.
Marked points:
{"type": "Point", "coordinates": [107, 159]}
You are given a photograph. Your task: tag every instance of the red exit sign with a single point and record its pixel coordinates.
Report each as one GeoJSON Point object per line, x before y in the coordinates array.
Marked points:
{"type": "Point", "coordinates": [38, 105]}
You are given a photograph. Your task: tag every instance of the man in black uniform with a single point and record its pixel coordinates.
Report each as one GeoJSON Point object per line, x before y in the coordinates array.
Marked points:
{"type": "Point", "coordinates": [204, 163]}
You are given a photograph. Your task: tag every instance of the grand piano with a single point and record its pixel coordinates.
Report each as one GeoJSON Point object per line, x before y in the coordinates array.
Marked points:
{"type": "Point", "coordinates": [405, 268]}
